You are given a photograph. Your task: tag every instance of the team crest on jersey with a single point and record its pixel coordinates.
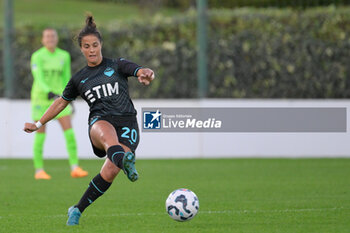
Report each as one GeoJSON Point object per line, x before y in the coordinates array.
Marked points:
{"type": "Point", "coordinates": [109, 71]}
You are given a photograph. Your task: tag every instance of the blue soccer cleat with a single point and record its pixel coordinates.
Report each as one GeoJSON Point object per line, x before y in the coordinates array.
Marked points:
{"type": "Point", "coordinates": [129, 166]}
{"type": "Point", "coordinates": [73, 216]}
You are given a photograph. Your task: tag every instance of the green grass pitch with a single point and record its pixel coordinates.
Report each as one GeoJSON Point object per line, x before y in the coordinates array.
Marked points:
{"type": "Point", "coordinates": [68, 13]}
{"type": "Point", "coordinates": [235, 195]}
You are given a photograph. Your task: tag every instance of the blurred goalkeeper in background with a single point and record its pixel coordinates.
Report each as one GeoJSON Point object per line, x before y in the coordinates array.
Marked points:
{"type": "Point", "coordinates": [51, 72]}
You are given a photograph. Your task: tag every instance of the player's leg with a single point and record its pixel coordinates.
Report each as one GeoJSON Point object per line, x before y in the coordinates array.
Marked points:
{"type": "Point", "coordinates": [114, 163]}
{"type": "Point", "coordinates": [128, 135]}
{"type": "Point", "coordinates": [71, 145]}
{"type": "Point", "coordinates": [38, 146]}
{"type": "Point", "coordinates": [38, 109]}
{"type": "Point", "coordinates": [103, 136]}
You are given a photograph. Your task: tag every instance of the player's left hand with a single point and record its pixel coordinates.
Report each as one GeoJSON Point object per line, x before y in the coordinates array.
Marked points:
{"type": "Point", "coordinates": [145, 76]}
{"type": "Point", "coordinates": [30, 127]}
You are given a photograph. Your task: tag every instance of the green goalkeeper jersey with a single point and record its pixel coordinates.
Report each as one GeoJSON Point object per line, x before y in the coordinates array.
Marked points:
{"type": "Point", "coordinates": [51, 73]}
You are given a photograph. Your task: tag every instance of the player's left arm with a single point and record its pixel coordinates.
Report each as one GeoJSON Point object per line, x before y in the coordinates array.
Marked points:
{"type": "Point", "coordinates": [144, 75]}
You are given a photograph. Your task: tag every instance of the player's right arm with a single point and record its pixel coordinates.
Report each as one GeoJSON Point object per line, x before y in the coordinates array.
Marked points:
{"type": "Point", "coordinates": [37, 72]}
{"type": "Point", "coordinates": [56, 107]}
{"type": "Point", "coordinates": [69, 94]}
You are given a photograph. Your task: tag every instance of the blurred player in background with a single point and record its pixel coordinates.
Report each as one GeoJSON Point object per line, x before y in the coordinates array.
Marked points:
{"type": "Point", "coordinates": [51, 72]}
{"type": "Point", "coordinates": [113, 128]}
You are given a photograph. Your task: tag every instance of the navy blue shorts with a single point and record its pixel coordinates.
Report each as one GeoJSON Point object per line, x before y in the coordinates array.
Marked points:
{"type": "Point", "coordinates": [127, 131]}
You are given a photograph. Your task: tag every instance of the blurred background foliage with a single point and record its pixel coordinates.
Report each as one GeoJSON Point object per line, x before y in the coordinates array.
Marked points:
{"type": "Point", "coordinates": [257, 48]}
{"type": "Point", "coordinates": [185, 4]}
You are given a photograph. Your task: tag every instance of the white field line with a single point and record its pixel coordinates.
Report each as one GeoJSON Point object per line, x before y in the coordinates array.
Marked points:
{"type": "Point", "coordinates": [227, 212]}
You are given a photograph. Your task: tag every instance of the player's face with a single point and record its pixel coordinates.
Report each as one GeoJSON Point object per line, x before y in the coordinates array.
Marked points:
{"type": "Point", "coordinates": [91, 48]}
{"type": "Point", "coordinates": [50, 39]}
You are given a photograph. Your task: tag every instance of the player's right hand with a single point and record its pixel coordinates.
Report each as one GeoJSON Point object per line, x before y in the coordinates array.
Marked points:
{"type": "Point", "coordinates": [30, 127]}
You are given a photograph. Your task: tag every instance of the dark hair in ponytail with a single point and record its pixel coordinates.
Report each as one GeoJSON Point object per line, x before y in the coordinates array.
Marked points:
{"type": "Point", "coordinates": [89, 29]}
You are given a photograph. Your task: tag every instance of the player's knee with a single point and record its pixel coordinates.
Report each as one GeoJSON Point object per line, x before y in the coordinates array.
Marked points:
{"type": "Point", "coordinates": [108, 140]}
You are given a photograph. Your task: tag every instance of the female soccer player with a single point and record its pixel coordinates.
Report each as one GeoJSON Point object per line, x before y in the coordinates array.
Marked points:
{"type": "Point", "coordinates": [113, 128]}
{"type": "Point", "coordinates": [51, 71]}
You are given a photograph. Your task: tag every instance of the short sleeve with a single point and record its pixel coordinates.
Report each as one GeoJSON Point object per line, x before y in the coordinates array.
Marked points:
{"type": "Point", "coordinates": [70, 92]}
{"type": "Point", "coordinates": [127, 68]}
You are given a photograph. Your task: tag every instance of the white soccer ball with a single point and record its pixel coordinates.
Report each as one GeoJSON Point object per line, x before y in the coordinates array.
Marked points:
{"type": "Point", "coordinates": [182, 205]}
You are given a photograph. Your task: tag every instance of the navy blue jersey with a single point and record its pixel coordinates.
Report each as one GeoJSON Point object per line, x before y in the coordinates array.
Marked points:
{"type": "Point", "coordinates": [104, 87]}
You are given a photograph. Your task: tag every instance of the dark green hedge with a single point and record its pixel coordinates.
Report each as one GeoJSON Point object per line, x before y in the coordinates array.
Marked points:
{"type": "Point", "coordinates": [274, 3]}
{"type": "Point", "coordinates": [281, 54]}
{"type": "Point", "coordinates": [252, 54]}
{"type": "Point", "coordinates": [185, 4]}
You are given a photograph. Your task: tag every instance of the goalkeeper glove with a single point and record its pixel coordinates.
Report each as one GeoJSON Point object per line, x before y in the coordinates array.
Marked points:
{"type": "Point", "coordinates": [52, 95]}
